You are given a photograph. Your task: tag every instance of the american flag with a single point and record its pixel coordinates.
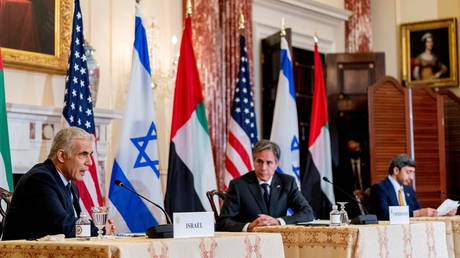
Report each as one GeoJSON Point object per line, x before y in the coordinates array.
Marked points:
{"type": "Point", "coordinates": [78, 109]}
{"type": "Point", "coordinates": [242, 129]}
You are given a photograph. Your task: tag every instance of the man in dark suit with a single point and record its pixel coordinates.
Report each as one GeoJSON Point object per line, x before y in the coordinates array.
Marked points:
{"type": "Point", "coordinates": [353, 176]}
{"type": "Point", "coordinates": [46, 201]}
{"type": "Point", "coordinates": [262, 197]}
{"type": "Point", "coordinates": [395, 190]}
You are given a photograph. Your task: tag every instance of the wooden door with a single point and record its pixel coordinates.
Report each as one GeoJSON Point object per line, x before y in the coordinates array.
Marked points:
{"type": "Point", "coordinates": [452, 145]}
{"type": "Point", "coordinates": [388, 125]}
{"type": "Point", "coordinates": [348, 78]}
{"type": "Point", "coordinates": [429, 146]}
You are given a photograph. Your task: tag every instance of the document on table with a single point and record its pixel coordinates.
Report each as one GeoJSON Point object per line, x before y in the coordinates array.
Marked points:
{"type": "Point", "coordinates": [447, 206]}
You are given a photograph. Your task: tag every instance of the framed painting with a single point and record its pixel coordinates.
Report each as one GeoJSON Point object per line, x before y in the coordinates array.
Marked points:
{"type": "Point", "coordinates": [429, 52]}
{"type": "Point", "coordinates": [35, 34]}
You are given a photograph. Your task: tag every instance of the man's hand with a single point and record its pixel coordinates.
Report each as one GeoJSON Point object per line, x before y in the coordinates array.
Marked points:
{"type": "Point", "coordinates": [109, 227]}
{"type": "Point", "coordinates": [452, 212]}
{"type": "Point", "coordinates": [263, 220]}
{"type": "Point", "coordinates": [426, 212]}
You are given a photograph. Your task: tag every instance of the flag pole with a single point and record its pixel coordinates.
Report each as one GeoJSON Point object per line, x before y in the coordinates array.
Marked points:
{"type": "Point", "coordinates": [241, 27]}
{"type": "Point", "coordinates": [189, 8]}
{"type": "Point", "coordinates": [283, 28]}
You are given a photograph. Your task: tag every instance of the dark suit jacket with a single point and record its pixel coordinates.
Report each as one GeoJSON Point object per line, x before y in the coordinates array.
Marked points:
{"type": "Point", "coordinates": [383, 195]}
{"type": "Point", "coordinates": [41, 206]}
{"type": "Point", "coordinates": [244, 202]}
{"type": "Point", "coordinates": [344, 178]}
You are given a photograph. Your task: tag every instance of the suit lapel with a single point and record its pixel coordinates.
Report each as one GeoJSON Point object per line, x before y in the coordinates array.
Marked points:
{"type": "Point", "coordinates": [391, 192]}
{"type": "Point", "coordinates": [275, 189]}
{"type": "Point", "coordinates": [63, 190]}
{"type": "Point", "coordinates": [254, 188]}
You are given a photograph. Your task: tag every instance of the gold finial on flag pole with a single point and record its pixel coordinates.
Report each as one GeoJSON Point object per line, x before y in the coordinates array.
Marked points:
{"type": "Point", "coordinates": [283, 27]}
{"type": "Point", "coordinates": [189, 8]}
{"type": "Point", "coordinates": [241, 27]}
{"type": "Point", "coordinates": [315, 37]}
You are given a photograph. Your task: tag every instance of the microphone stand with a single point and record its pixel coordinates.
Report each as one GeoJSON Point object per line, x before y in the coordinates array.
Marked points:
{"type": "Point", "coordinates": [364, 218]}
{"type": "Point", "coordinates": [157, 231]}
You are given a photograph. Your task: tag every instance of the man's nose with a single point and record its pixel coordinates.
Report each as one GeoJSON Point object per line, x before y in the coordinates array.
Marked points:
{"type": "Point", "coordinates": [88, 161]}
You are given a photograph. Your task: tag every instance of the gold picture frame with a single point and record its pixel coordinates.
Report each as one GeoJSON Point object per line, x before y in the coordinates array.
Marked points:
{"type": "Point", "coordinates": [54, 58]}
{"type": "Point", "coordinates": [429, 52]}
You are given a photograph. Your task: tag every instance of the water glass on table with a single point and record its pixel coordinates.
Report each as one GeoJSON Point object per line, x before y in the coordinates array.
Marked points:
{"type": "Point", "coordinates": [99, 218]}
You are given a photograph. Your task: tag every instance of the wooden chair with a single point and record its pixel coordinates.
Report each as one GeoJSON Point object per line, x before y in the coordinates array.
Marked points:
{"type": "Point", "coordinates": [5, 200]}
{"type": "Point", "coordinates": [210, 195]}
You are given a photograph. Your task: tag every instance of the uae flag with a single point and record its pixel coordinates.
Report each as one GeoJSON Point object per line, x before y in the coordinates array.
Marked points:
{"type": "Point", "coordinates": [6, 176]}
{"type": "Point", "coordinates": [319, 193]}
{"type": "Point", "coordinates": [191, 166]}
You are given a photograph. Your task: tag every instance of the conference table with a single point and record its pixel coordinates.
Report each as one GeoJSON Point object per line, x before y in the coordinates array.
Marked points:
{"type": "Point", "coordinates": [452, 232]}
{"type": "Point", "coordinates": [223, 244]}
{"type": "Point", "coordinates": [417, 239]}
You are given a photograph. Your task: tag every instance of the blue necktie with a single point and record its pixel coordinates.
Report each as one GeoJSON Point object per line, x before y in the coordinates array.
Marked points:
{"type": "Point", "coordinates": [266, 194]}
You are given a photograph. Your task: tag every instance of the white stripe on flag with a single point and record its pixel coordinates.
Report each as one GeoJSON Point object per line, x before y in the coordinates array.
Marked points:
{"type": "Point", "coordinates": [194, 149]}
{"type": "Point", "coordinates": [3, 181]}
{"type": "Point", "coordinates": [320, 151]}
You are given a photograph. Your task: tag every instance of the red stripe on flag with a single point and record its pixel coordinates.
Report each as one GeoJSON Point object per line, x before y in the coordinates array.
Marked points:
{"type": "Point", "coordinates": [187, 94]}
{"type": "Point", "coordinates": [85, 196]}
{"type": "Point", "coordinates": [93, 173]}
{"type": "Point", "coordinates": [1, 63]}
{"type": "Point", "coordinates": [319, 117]}
{"type": "Point", "coordinates": [238, 147]}
{"type": "Point", "coordinates": [231, 168]}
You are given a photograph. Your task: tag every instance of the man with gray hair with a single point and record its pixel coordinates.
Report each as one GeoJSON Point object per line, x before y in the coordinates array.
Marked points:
{"type": "Point", "coordinates": [46, 201]}
{"type": "Point", "coordinates": [263, 197]}
{"type": "Point", "coordinates": [396, 190]}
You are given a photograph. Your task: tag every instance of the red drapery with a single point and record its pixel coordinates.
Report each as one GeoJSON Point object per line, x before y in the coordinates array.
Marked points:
{"type": "Point", "coordinates": [358, 31]}
{"type": "Point", "coordinates": [216, 46]}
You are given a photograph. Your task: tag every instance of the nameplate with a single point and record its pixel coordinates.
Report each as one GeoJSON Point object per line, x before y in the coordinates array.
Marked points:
{"type": "Point", "coordinates": [399, 214]}
{"type": "Point", "coordinates": [193, 224]}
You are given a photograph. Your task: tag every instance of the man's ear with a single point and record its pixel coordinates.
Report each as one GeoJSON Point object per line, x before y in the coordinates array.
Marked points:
{"type": "Point", "coordinates": [395, 171]}
{"type": "Point", "coordinates": [61, 156]}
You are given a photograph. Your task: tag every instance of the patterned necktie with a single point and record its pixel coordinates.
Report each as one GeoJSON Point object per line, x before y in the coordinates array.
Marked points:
{"type": "Point", "coordinates": [266, 194]}
{"type": "Point", "coordinates": [400, 195]}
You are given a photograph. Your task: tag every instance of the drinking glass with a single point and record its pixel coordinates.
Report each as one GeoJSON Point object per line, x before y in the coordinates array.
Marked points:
{"type": "Point", "coordinates": [99, 219]}
{"type": "Point", "coordinates": [343, 214]}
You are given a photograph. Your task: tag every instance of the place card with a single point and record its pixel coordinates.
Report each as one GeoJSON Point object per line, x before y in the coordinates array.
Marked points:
{"type": "Point", "coordinates": [193, 224]}
{"type": "Point", "coordinates": [399, 214]}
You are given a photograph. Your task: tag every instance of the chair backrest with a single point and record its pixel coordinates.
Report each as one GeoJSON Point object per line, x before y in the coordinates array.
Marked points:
{"type": "Point", "coordinates": [210, 195]}
{"type": "Point", "coordinates": [5, 200]}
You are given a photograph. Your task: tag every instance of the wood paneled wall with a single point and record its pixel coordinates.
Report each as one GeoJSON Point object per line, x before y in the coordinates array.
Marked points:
{"type": "Point", "coordinates": [388, 125]}
{"type": "Point", "coordinates": [429, 149]}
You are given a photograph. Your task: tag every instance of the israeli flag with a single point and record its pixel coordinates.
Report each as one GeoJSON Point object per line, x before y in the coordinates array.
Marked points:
{"type": "Point", "coordinates": [136, 164]}
{"type": "Point", "coordinates": [285, 130]}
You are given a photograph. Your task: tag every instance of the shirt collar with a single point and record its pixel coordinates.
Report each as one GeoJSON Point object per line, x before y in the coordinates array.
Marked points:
{"type": "Point", "coordinates": [64, 180]}
{"type": "Point", "coordinates": [395, 183]}
{"type": "Point", "coordinates": [269, 181]}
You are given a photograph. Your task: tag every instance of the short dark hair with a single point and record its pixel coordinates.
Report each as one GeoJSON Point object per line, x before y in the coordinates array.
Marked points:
{"type": "Point", "coordinates": [400, 161]}
{"type": "Point", "coordinates": [267, 145]}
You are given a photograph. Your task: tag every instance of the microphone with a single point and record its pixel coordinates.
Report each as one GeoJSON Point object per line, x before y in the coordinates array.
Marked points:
{"type": "Point", "coordinates": [158, 231]}
{"type": "Point", "coordinates": [364, 218]}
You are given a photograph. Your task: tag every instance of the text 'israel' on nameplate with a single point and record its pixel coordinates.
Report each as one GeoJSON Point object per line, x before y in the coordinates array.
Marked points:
{"type": "Point", "coordinates": [399, 214]}
{"type": "Point", "coordinates": [193, 224]}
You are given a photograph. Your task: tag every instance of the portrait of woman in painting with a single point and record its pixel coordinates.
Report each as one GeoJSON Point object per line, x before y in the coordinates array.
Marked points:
{"type": "Point", "coordinates": [427, 65]}
{"type": "Point", "coordinates": [28, 25]}
{"type": "Point", "coordinates": [427, 62]}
